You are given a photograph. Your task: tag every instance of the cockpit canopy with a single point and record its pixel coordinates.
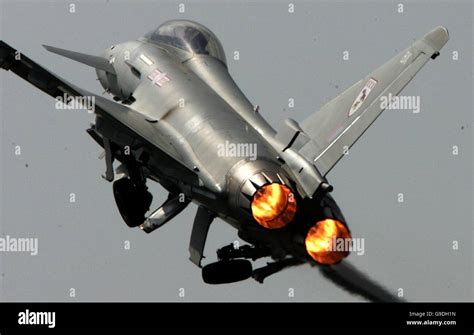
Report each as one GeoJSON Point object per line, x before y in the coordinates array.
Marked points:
{"type": "Point", "coordinates": [189, 36]}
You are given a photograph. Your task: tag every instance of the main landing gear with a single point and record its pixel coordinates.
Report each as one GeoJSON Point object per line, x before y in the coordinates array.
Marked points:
{"type": "Point", "coordinates": [233, 265]}
{"type": "Point", "coordinates": [133, 200]}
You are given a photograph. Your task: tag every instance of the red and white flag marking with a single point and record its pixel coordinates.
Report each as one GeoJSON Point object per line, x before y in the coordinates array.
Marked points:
{"type": "Point", "coordinates": [158, 78]}
{"type": "Point", "coordinates": [362, 96]}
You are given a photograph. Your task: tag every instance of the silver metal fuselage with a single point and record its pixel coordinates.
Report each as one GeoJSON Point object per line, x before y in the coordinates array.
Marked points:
{"type": "Point", "coordinates": [197, 109]}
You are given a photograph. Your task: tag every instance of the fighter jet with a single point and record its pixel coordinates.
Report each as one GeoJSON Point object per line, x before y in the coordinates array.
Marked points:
{"type": "Point", "coordinates": [178, 118]}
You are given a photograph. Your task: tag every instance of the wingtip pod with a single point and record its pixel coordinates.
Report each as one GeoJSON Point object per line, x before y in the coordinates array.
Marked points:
{"type": "Point", "coordinates": [437, 38]}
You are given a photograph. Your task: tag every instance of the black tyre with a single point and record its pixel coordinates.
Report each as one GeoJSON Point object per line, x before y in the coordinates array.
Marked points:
{"type": "Point", "coordinates": [132, 203]}
{"type": "Point", "coordinates": [224, 272]}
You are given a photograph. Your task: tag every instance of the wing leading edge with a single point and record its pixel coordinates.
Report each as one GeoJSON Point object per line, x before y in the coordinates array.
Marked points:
{"type": "Point", "coordinates": [340, 123]}
{"type": "Point", "coordinates": [24, 67]}
{"type": "Point", "coordinates": [55, 86]}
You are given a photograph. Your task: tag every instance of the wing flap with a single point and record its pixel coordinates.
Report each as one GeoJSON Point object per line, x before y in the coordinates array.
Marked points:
{"type": "Point", "coordinates": [339, 123]}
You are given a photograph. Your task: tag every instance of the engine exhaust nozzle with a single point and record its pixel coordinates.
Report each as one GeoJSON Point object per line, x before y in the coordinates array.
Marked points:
{"type": "Point", "coordinates": [273, 206]}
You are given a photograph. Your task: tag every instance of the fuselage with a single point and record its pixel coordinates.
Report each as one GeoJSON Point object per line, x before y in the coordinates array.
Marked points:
{"type": "Point", "coordinates": [204, 122]}
{"type": "Point", "coordinates": [195, 106]}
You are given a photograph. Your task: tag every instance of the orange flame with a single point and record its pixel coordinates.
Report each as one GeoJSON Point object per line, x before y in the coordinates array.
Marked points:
{"type": "Point", "coordinates": [273, 206]}
{"type": "Point", "coordinates": [320, 241]}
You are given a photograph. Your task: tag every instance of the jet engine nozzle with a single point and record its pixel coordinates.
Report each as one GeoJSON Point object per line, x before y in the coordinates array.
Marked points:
{"type": "Point", "coordinates": [327, 241]}
{"type": "Point", "coordinates": [273, 206]}
{"type": "Point", "coordinates": [262, 193]}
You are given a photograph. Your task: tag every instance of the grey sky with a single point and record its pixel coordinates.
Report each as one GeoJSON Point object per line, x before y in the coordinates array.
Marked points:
{"type": "Point", "coordinates": [282, 55]}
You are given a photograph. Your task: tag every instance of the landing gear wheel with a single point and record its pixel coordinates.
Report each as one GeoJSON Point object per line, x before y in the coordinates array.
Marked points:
{"type": "Point", "coordinates": [227, 271]}
{"type": "Point", "coordinates": [132, 202]}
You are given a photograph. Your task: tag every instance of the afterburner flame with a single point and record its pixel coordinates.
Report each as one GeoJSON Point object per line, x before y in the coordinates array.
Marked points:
{"type": "Point", "coordinates": [320, 241]}
{"type": "Point", "coordinates": [273, 206]}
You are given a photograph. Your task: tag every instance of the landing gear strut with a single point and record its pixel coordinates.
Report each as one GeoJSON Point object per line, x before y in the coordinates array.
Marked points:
{"type": "Point", "coordinates": [231, 267]}
{"type": "Point", "coordinates": [246, 251]}
{"type": "Point", "coordinates": [271, 268]}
